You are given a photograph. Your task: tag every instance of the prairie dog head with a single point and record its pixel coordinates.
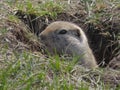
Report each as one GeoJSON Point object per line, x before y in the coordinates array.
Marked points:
{"type": "Point", "coordinates": [67, 38]}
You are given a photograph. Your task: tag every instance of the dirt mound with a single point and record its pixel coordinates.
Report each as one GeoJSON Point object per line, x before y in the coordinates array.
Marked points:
{"type": "Point", "coordinates": [19, 38]}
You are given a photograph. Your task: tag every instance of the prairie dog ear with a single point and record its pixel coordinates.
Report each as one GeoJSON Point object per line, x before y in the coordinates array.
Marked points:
{"type": "Point", "coordinates": [78, 33]}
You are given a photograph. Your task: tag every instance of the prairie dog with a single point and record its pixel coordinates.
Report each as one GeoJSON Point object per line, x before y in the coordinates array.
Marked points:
{"type": "Point", "coordinates": [67, 38]}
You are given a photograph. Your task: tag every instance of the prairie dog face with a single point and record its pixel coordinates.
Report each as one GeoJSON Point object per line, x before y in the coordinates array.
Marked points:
{"type": "Point", "coordinates": [59, 35]}
{"type": "Point", "coordinates": [67, 38]}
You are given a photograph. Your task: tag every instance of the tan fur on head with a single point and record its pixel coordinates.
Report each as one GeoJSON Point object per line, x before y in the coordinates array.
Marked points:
{"type": "Point", "coordinates": [67, 38]}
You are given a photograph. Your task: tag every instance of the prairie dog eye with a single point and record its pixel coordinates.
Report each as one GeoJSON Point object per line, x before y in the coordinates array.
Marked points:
{"type": "Point", "coordinates": [63, 31]}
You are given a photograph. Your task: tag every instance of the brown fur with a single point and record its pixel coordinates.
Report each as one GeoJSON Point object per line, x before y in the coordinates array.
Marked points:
{"type": "Point", "coordinates": [67, 38]}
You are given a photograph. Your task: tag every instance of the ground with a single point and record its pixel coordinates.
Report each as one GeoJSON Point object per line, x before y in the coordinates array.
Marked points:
{"type": "Point", "coordinates": [18, 36]}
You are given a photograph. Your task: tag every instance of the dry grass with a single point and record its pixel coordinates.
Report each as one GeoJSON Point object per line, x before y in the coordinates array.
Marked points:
{"type": "Point", "coordinates": [24, 66]}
